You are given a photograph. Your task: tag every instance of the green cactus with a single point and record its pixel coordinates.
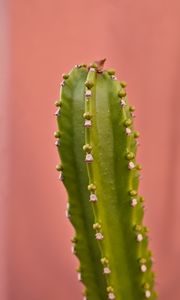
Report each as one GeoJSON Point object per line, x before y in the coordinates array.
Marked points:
{"type": "Point", "coordinates": [97, 146]}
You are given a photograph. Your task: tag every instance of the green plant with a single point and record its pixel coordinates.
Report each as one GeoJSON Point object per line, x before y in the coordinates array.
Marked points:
{"type": "Point", "coordinates": [97, 145]}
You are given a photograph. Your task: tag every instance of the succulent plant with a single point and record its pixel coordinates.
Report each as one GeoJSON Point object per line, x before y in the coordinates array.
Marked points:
{"type": "Point", "coordinates": [97, 145]}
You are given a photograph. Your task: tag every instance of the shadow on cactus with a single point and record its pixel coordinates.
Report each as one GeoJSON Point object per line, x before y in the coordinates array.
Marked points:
{"type": "Point", "coordinates": [97, 145]}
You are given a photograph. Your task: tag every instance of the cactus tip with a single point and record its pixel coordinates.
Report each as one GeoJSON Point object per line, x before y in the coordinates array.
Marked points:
{"type": "Point", "coordinates": [100, 64]}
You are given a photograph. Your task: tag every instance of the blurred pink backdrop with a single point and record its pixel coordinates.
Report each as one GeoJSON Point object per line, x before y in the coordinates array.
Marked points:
{"type": "Point", "coordinates": [41, 40]}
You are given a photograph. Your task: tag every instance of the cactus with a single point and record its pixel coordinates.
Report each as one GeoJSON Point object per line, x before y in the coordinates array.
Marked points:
{"type": "Point", "coordinates": [97, 145]}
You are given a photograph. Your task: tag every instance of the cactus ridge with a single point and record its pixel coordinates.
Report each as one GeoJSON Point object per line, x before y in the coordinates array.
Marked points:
{"type": "Point", "coordinates": [97, 145]}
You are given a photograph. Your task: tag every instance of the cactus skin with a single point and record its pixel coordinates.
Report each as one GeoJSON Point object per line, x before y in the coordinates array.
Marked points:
{"type": "Point", "coordinates": [97, 146]}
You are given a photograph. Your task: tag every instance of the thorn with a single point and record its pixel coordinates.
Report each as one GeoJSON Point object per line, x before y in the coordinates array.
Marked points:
{"type": "Point", "coordinates": [73, 249]}
{"type": "Point", "coordinates": [57, 113]}
{"type": "Point", "coordinates": [57, 134]}
{"type": "Point", "coordinates": [133, 192]}
{"type": "Point", "coordinates": [113, 77]}
{"type": "Point", "coordinates": [123, 83]}
{"type": "Point", "coordinates": [139, 237]}
{"type": "Point", "coordinates": [131, 165]}
{"type": "Point", "coordinates": [122, 93]}
{"type": "Point", "coordinates": [136, 134]}
{"type": "Point", "coordinates": [111, 296]}
{"type": "Point", "coordinates": [139, 167]}
{"type": "Point", "coordinates": [110, 289]}
{"type": "Point", "coordinates": [91, 187]}
{"type": "Point", "coordinates": [96, 226]}
{"type": "Point", "coordinates": [87, 116]}
{"type": "Point", "coordinates": [59, 167]}
{"type": "Point", "coordinates": [100, 65]}
{"type": "Point", "coordinates": [99, 236]}
{"type": "Point", "coordinates": [66, 214]}
{"type": "Point", "coordinates": [122, 102]}
{"type": "Point", "coordinates": [111, 71]}
{"type": "Point", "coordinates": [89, 84]}
{"type": "Point", "coordinates": [131, 108]}
{"type": "Point", "coordinates": [133, 115]}
{"type": "Point", "coordinates": [58, 103]}
{"type": "Point", "coordinates": [88, 93]}
{"type": "Point", "coordinates": [92, 69]}
{"type": "Point", "coordinates": [93, 65]}
{"type": "Point", "coordinates": [137, 227]}
{"type": "Point", "coordinates": [65, 76]}
{"type": "Point", "coordinates": [130, 155]}
{"type": "Point", "coordinates": [127, 122]}
{"type": "Point", "coordinates": [147, 294]}
{"type": "Point", "coordinates": [87, 123]}
{"type": "Point", "coordinates": [61, 176]}
{"type": "Point", "coordinates": [104, 261]}
{"type": "Point", "coordinates": [93, 198]}
{"type": "Point", "coordinates": [106, 270]}
{"type": "Point", "coordinates": [89, 158]}
{"type": "Point", "coordinates": [128, 131]}
{"type": "Point", "coordinates": [79, 276]}
{"type": "Point", "coordinates": [141, 199]}
{"type": "Point", "coordinates": [57, 143]}
{"type": "Point", "coordinates": [74, 240]}
{"type": "Point", "coordinates": [87, 148]}
{"type": "Point", "coordinates": [143, 268]}
{"type": "Point", "coordinates": [133, 202]}
{"type": "Point", "coordinates": [62, 83]}
{"type": "Point", "coordinates": [77, 66]}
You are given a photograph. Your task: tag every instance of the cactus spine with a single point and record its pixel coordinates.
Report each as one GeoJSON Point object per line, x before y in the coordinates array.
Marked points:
{"type": "Point", "coordinates": [97, 145]}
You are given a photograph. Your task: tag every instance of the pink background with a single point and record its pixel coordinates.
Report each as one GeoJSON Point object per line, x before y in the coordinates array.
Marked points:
{"type": "Point", "coordinates": [41, 39]}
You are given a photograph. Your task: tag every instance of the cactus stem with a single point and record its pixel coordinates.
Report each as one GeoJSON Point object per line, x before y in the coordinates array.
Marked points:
{"type": "Point", "coordinates": [102, 177]}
